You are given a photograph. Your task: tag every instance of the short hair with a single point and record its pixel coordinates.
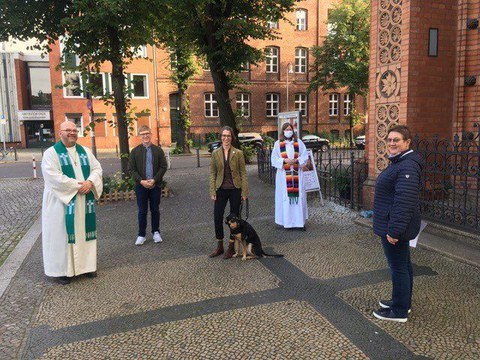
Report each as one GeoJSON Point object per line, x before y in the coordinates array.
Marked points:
{"type": "Point", "coordinates": [228, 128]}
{"type": "Point", "coordinates": [144, 128]}
{"type": "Point", "coordinates": [401, 129]}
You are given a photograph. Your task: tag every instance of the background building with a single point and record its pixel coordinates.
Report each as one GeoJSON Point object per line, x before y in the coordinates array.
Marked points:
{"type": "Point", "coordinates": [424, 72]}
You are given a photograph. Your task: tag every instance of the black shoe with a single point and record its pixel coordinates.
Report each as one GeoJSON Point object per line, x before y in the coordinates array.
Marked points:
{"type": "Point", "coordinates": [389, 315]}
{"type": "Point", "coordinates": [91, 274]}
{"type": "Point", "coordinates": [64, 280]}
{"type": "Point", "coordinates": [387, 304]}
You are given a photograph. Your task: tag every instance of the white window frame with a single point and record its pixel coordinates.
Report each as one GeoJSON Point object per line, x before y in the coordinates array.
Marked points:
{"type": "Point", "coordinates": [140, 52]}
{"type": "Point", "coordinates": [301, 102]}
{"type": "Point", "coordinates": [272, 60]}
{"type": "Point", "coordinates": [347, 104]}
{"type": "Point", "coordinates": [132, 88]}
{"type": "Point", "coordinates": [80, 131]}
{"type": "Point", "coordinates": [114, 126]}
{"type": "Point", "coordinates": [210, 104]}
{"type": "Point", "coordinates": [272, 24]}
{"type": "Point", "coordinates": [301, 16]}
{"type": "Point", "coordinates": [301, 60]}
{"type": "Point", "coordinates": [245, 66]}
{"type": "Point", "coordinates": [173, 60]}
{"type": "Point", "coordinates": [244, 99]}
{"type": "Point", "coordinates": [104, 83]}
{"type": "Point", "coordinates": [82, 96]}
{"type": "Point", "coordinates": [272, 104]}
{"type": "Point", "coordinates": [333, 103]}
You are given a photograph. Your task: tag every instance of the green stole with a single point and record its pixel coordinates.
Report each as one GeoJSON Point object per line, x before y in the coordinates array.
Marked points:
{"type": "Point", "coordinates": [67, 169]}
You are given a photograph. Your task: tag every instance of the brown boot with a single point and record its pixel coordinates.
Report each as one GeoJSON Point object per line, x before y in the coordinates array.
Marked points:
{"type": "Point", "coordinates": [230, 250]}
{"type": "Point", "coordinates": [218, 250]}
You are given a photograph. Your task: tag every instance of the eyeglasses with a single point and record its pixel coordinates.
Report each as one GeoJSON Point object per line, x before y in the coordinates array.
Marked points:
{"type": "Point", "coordinates": [71, 131]}
{"type": "Point", "coordinates": [394, 140]}
{"type": "Point", "coordinates": [227, 136]}
{"type": "Point", "coordinates": [145, 134]}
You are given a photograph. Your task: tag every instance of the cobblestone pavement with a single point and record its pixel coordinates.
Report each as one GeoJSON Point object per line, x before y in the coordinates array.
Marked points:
{"type": "Point", "coordinates": [170, 301]}
{"type": "Point", "coordinates": [20, 204]}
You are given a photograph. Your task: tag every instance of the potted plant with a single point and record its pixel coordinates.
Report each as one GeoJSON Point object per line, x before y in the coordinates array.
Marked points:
{"type": "Point", "coordinates": [343, 182]}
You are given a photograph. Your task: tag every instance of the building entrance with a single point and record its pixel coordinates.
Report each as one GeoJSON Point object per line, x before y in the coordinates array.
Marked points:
{"type": "Point", "coordinates": [39, 133]}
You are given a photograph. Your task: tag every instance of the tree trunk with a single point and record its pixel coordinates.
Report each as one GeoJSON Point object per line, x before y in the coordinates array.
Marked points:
{"type": "Point", "coordinates": [184, 114]}
{"type": "Point", "coordinates": [118, 87]}
{"type": "Point", "coordinates": [227, 116]}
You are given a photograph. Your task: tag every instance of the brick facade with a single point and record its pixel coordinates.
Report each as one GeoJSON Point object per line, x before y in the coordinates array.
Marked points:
{"type": "Point", "coordinates": [408, 85]}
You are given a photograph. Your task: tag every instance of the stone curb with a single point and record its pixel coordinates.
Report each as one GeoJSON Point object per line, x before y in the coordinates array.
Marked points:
{"type": "Point", "coordinates": [18, 255]}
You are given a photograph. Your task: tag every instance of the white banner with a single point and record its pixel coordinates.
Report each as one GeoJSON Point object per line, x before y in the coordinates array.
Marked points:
{"type": "Point", "coordinates": [310, 176]}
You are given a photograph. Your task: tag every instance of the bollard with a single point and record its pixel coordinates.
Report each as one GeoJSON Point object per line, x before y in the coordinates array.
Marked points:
{"type": "Point", "coordinates": [34, 167]}
{"type": "Point", "coordinates": [15, 152]}
{"type": "Point", "coordinates": [42, 150]}
{"type": "Point", "coordinates": [198, 157]}
{"type": "Point", "coordinates": [116, 150]}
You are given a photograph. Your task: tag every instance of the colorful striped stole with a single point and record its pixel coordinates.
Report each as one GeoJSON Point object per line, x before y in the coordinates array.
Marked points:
{"type": "Point", "coordinates": [291, 172]}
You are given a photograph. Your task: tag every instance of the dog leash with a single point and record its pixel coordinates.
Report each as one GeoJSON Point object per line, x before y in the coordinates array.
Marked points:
{"type": "Point", "coordinates": [246, 209]}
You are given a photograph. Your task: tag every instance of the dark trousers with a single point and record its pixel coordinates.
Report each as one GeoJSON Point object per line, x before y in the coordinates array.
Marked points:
{"type": "Point", "coordinates": [234, 196]}
{"type": "Point", "coordinates": [398, 258]}
{"type": "Point", "coordinates": [144, 197]}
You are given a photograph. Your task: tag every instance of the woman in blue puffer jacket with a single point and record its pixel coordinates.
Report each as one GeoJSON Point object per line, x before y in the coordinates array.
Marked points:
{"type": "Point", "coordinates": [397, 219]}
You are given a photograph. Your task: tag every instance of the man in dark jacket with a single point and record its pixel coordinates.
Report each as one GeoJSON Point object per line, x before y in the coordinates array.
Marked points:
{"type": "Point", "coordinates": [147, 165]}
{"type": "Point", "coordinates": [397, 220]}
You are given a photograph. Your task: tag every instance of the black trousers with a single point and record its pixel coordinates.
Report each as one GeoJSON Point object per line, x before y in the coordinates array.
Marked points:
{"type": "Point", "coordinates": [145, 197]}
{"type": "Point", "coordinates": [233, 196]}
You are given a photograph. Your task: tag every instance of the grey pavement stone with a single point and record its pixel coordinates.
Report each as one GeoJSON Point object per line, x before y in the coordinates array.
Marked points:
{"type": "Point", "coordinates": [20, 205]}
{"type": "Point", "coordinates": [315, 302]}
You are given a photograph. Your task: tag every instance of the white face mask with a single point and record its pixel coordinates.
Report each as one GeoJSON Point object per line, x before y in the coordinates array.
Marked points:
{"type": "Point", "coordinates": [288, 133]}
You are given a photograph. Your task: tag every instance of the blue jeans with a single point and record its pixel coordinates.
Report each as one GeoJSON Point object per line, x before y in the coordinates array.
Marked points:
{"type": "Point", "coordinates": [398, 258]}
{"type": "Point", "coordinates": [144, 197]}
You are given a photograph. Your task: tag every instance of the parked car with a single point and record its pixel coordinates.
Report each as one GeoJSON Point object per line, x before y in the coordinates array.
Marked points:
{"type": "Point", "coordinates": [316, 143]}
{"type": "Point", "coordinates": [244, 138]}
{"type": "Point", "coordinates": [360, 142]}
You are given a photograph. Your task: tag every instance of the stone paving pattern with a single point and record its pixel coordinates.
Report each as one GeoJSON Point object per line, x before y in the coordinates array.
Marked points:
{"type": "Point", "coordinates": [169, 301]}
{"type": "Point", "coordinates": [284, 330]}
{"type": "Point", "coordinates": [20, 204]}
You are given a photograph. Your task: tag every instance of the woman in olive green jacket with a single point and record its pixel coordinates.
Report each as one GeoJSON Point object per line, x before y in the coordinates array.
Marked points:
{"type": "Point", "coordinates": [228, 183]}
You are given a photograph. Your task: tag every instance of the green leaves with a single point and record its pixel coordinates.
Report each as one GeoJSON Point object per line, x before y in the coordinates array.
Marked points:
{"type": "Point", "coordinates": [342, 59]}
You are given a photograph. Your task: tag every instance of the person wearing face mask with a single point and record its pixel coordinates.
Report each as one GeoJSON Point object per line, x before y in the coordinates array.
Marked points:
{"type": "Point", "coordinates": [397, 220]}
{"type": "Point", "coordinates": [289, 155]}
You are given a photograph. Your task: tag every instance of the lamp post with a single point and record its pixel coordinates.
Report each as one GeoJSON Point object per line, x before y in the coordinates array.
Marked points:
{"type": "Point", "coordinates": [289, 71]}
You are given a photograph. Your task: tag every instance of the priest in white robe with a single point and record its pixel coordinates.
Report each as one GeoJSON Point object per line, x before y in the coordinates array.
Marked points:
{"type": "Point", "coordinates": [289, 155]}
{"type": "Point", "coordinates": [73, 181]}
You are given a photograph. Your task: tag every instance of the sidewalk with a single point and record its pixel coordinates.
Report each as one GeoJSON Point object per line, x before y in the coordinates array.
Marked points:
{"type": "Point", "coordinates": [170, 301]}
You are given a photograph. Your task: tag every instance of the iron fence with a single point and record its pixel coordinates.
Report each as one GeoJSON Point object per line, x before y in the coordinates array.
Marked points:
{"type": "Point", "coordinates": [341, 173]}
{"type": "Point", "coordinates": [451, 180]}
{"type": "Point", "coordinates": [450, 189]}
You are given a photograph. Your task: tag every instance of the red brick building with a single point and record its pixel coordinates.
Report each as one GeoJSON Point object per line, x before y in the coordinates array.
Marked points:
{"type": "Point", "coordinates": [424, 71]}
{"type": "Point", "coordinates": [283, 74]}
{"type": "Point", "coordinates": [70, 103]}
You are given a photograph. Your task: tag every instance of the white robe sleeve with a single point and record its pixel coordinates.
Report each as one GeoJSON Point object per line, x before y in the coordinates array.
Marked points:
{"type": "Point", "coordinates": [62, 187]}
{"type": "Point", "coordinates": [303, 156]}
{"type": "Point", "coordinates": [276, 158]}
{"type": "Point", "coordinates": [96, 173]}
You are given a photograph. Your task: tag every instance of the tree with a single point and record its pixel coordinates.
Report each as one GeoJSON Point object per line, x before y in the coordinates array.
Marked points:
{"type": "Point", "coordinates": [220, 31]}
{"type": "Point", "coordinates": [342, 59]}
{"type": "Point", "coordinates": [97, 31]}
{"type": "Point", "coordinates": [183, 69]}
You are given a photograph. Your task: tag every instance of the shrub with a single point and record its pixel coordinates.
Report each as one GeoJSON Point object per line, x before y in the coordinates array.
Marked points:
{"type": "Point", "coordinates": [268, 141]}
{"type": "Point", "coordinates": [248, 152]}
{"type": "Point", "coordinates": [119, 183]}
{"type": "Point", "coordinates": [211, 136]}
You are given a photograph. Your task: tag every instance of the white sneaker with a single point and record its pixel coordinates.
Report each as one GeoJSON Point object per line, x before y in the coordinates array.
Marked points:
{"type": "Point", "coordinates": [156, 237]}
{"type": "Point", "coordinates": [140, 240]}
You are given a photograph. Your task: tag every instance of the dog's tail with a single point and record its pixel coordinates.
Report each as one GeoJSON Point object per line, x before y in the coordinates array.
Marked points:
{"type": "Point", "coordinates": [272, 255]}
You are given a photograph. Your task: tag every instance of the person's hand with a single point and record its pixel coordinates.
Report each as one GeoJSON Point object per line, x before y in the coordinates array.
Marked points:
{"type": "Point", "coordinates": [290, 161]}
{"type": "Point", "coordinates": [146, 184]}
{"type": "Point", "coordinates": [214, 197]}
{"type": "Point", "coordinates": [391, 240]}
{"type": "Point", "coordinates": [244, 198]}
{"type": "Point", "coordinates": [151, 182]}
{"type": "Point", "coordinates": [85, 187]}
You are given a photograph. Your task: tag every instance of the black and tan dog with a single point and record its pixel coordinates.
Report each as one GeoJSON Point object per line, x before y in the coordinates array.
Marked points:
{"type": "Point", "coordinates": [243, 233]}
